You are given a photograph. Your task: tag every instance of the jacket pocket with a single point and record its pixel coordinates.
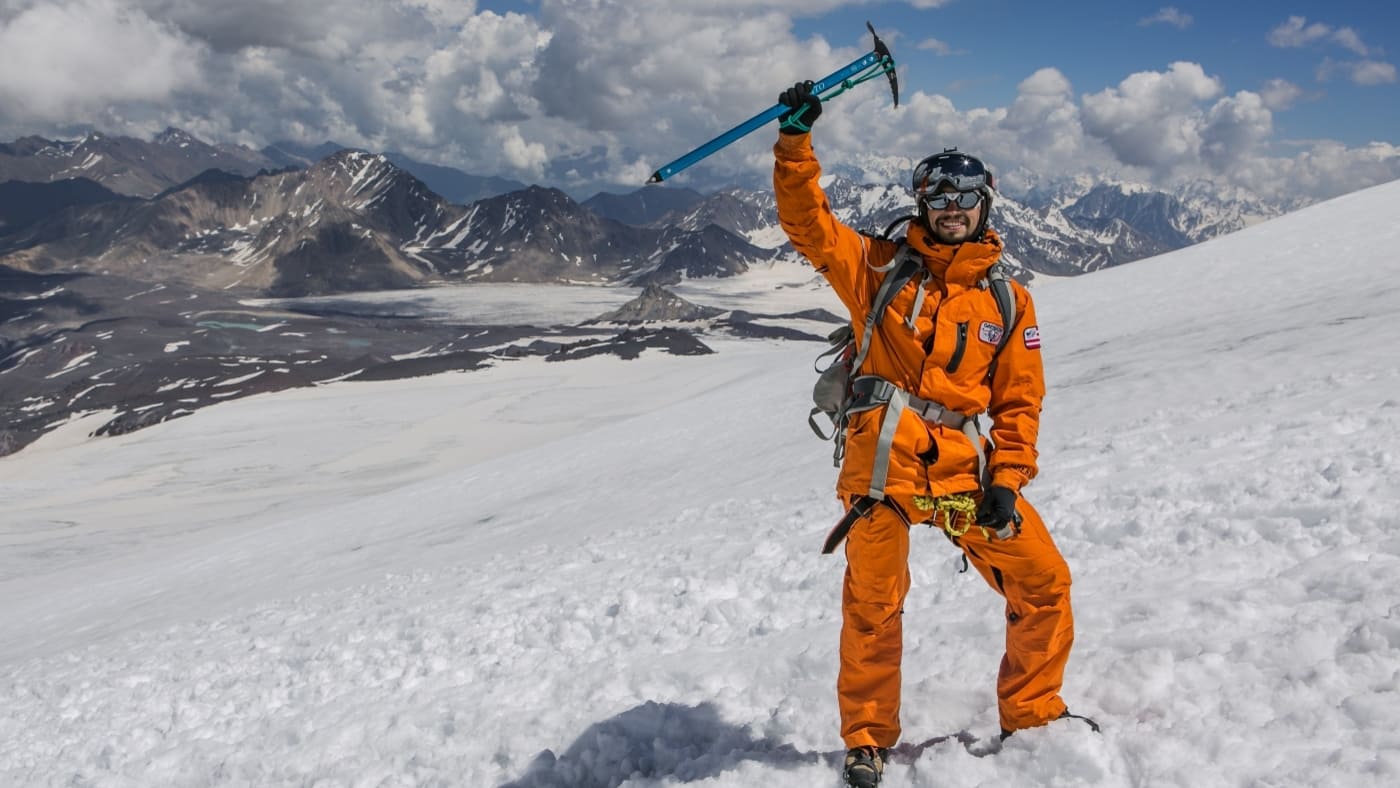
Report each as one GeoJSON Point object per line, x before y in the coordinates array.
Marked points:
{"type": "Point", "coordinates": [955, 469]}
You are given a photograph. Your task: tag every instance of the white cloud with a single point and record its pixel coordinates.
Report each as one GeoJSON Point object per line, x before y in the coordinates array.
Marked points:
{"type": "Point", "coordinates": [63, 61]}
{"type": "Point", "coordinates": [1361, 72]}
{"type": "Point", "coordinates": [1235, 128]}
{"type": "Point", "coordinates": [1297, 32]}
{"type": "Point", "coordinates": [1371, 72]}
{"type": "Point", "coordinates": [940, 48]}
{"type": "Point", "coordinates": [1321, 170]}
{"type": "Point", "coordinates": [1280, 94]}
{"type": "Point", "coordinates": [1045, 119]}
{"type": "Point", "coordinates": [583, 91]}
{"type": "Point", "coordinates": [1152, 119]}
{"type": "Point", "coordinates": [1170, 15]}
{"type": "Point", "coordinates": [1350, 39]}
{"type": "Point", "coordinates": [528, 157]}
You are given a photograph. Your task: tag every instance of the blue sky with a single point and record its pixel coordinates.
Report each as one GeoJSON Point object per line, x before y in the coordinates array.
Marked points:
{"type": "Point", "coordinates": [993, 44]}
{"type": "Point", "coordinates": [594, 94]}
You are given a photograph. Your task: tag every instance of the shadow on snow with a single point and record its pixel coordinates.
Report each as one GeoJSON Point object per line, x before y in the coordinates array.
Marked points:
{"type": "Point", "coordinates": [658, 740]}
{"type": "Point", "coordinates": [685, 743]}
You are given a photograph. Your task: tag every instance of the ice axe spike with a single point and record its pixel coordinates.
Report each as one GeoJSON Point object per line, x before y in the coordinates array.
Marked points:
{"type": "Point", "coordinates": [870, 65]}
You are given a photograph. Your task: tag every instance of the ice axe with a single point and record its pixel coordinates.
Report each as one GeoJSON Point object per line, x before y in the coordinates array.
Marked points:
{"type": "Point", "coordinates": [869, 66]}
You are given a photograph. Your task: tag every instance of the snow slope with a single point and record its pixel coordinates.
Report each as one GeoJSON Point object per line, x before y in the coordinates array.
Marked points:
{"type": "Point", "coordinates": [606, 573]}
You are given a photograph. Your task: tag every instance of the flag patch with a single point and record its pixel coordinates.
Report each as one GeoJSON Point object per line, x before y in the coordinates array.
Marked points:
{"type": "Point", "coordinates": [1032, 338]}
{"type": "Point", "coordinates": [989, 333]}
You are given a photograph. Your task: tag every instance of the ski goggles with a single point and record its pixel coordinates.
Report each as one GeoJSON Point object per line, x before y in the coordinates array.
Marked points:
{"type": "Point", "coordinates": [942, 200]}
{"type": "Point", "coordinates": [965, 173]}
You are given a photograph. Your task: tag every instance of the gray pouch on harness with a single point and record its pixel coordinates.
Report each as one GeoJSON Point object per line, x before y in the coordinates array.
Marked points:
{"type": "Point", "coordinates": [832, 391]}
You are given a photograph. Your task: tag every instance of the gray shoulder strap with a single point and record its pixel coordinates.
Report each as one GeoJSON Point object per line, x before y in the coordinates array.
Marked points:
{"type": "Point", "coordinates": [902, 268]}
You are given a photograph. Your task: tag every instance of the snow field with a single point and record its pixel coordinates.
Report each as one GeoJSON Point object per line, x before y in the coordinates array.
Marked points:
{"type": "Point", "coordinates": [606, 573]}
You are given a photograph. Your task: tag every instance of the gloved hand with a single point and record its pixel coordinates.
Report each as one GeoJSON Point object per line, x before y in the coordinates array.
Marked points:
{"type": "Point", "coordinates": [806, 108]}
{"type": "Point", "coordinates": [998, 512]}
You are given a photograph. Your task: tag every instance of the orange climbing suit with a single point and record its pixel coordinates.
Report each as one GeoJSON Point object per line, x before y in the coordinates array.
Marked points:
{"type": "Point", "coordinates": [944, 354]}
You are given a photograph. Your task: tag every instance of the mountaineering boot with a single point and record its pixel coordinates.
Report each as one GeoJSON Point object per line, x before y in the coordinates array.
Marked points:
{"type": "Point", "coordinates": [864, 766]}
{"type": "Point", "coordinates": [1064, 715]}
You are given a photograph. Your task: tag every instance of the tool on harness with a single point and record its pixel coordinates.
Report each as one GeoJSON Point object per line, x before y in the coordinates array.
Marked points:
{"type": "Point", "coordinates": [860, 508]}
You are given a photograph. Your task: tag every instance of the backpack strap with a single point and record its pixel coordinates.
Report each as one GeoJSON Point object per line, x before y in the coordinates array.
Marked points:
{"type": "Point", "coordinates": [901, 269]}
{"type": "Point", "coordinates": [1000, 284]}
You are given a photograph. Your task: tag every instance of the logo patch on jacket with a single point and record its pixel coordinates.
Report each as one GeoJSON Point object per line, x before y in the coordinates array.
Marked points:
{"type": "Point", "coordinates": [989, 333]}
{"type": "Point", "coordinates": [1032, 338]}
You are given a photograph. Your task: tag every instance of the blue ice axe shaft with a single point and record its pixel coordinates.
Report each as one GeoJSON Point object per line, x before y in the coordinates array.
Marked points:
{"type": "Point", "coordinates": [770, 114]}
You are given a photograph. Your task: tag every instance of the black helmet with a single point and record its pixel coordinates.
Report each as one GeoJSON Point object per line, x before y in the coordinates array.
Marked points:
{"type": "Point", "coordinates": [963, 172]}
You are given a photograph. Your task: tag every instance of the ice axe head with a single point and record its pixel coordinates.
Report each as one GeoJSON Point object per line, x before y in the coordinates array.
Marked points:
{"type": "Point", "coordinates": [885, 57]}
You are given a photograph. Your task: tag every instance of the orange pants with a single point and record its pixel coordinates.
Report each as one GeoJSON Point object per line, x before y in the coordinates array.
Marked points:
{"type": "Point", "coordinates": [1027, 570]}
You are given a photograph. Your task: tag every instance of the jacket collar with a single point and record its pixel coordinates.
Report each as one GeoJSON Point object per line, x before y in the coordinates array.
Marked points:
{"type": "Point", "coordinates": [962, 264]}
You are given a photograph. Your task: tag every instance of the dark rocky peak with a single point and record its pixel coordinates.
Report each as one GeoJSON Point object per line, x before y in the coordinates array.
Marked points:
{"type": "Point", "coordinates": [1153, 214]}
{"type": "Point", "coordinates": [711, 251]}
{"type": "Point", "coordinates": [369, 185]}
{"type": "Point", "coordinates": [25, 146]}
{"type": "Point", "coordinates": [656, 303]}
{"type": "Point", "coordinates": [23, 203]}
{"type": "Point", "coordinates": [179, 140]}
{"type": "Point", "coordinates": [538, 206]}
{"type": "Point", "coordinates": [735, 211]}
{"type": "Point", "coordinates": [644, 206]}
{"type": "Point", "coordinates": [544, 197]}
{"type": "Point", "coordinates": [210, 176]}
{"type": "Point", "coordinates": [286, 153]}
{"type": "Point", "coordinates": [355, 169]}
{"type": "Point", "coordinates": [172, 136]}
{"type": "Point", "coordinates": [360, 177]}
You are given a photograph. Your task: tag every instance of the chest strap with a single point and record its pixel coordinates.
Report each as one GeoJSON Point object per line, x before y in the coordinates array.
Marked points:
{"type": "Point", "coordinates": [871, 391]}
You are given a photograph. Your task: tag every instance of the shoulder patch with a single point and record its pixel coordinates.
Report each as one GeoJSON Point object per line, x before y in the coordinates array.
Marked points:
{"type": "Point", "coordinates": [990, 332]}
{"type": "Point", "coordinates": [1031, 336]}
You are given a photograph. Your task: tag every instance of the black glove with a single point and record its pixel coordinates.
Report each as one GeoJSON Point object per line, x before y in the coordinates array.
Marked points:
{"type": "Point", "coordinates": [998, 512]}
{"type": "Point", "coordinates": [806, 108]}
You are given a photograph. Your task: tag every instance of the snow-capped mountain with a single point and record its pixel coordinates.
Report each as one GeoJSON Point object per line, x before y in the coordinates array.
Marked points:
{"type": "Point", "coordinates": [276, 232]}
{"type": "Point", "coordinates": [355, 221]}
{"type": "Point", "coordinates": [1073, 226]}
{"type": "Point", "coordinates": [327, 228]}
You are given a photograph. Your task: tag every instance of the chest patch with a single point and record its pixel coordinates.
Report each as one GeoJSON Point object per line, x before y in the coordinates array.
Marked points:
{"type": "Point", "coordinates": [1031, 336]}
{"type": "Point", "coordinates": [989, 333]}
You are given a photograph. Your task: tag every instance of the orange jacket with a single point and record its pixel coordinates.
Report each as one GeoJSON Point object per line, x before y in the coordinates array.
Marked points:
{"type": "Point", "coordinates": [945, 358]}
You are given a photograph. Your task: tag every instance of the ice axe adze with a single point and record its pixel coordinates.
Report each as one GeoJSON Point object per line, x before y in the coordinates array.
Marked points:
{"type": "Point", "coordinates": [869, 66]}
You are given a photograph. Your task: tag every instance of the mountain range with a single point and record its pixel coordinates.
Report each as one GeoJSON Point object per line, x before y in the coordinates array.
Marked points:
{"type": "Point", "coordinates": [354, 221]}
{"type": "Point", "coordinates": [127, 266]}
{"type": "Point", "coordinates": [299, 220]}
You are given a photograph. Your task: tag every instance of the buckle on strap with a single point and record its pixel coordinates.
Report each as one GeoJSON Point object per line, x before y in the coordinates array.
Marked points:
{"type": "Point", "coordinates": [936, 412]}
{"type": "Point", "coordinates": [870, 391]}
{"type": "Point", "coordinates": [927, 409]}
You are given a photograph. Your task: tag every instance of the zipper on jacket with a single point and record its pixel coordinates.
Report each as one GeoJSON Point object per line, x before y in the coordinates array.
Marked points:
{"type": "Point", "coordinates": [959, 349]}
